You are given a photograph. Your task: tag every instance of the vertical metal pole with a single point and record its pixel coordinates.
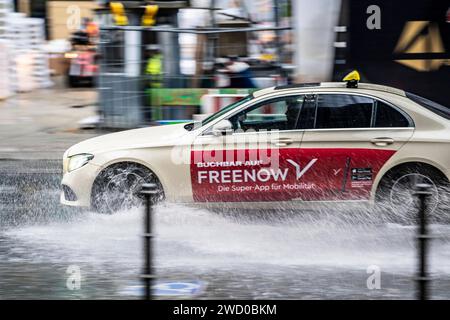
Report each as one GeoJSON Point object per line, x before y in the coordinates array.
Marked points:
{"type": "Point", "coordinates": [422, 192]}
{"type": "Point", "coordinates": [102, 87]}
{"type": "Point", "coordinates": [211, 53]}
{"type": "Point", "coordinates": [148, 248]}
{"type": "Point", "coordinates": [276, 13]}
{"type": "Point", "coordinates": [213, 13]}
{"type": "Point", "coordinates": [149, 191]}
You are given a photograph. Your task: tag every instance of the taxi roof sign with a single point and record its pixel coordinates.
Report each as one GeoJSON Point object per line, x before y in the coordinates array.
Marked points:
{"type": "Point", "coordinates": [352, 79]}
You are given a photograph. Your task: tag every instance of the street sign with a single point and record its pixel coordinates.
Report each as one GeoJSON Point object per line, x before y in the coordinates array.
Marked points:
{"type": "Point", "coordinates": [169, 289]}
{"type": "Point", "coordinates": [182, 288]}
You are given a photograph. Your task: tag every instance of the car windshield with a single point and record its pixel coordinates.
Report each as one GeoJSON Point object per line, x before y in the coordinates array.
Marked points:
{"type": "Point", "coordinates": [430, 105]}
{"type": "Point", "coordinates": [218, 114]}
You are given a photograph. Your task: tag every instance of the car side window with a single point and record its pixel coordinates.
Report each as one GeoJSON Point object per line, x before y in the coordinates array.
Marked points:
{"type": "Point", "coordinates": [388, 117]}
{"type": "Point", "coordinates": [274, 114]}
{"type": "Point", "coordinates": [336, 111]}
{"type": "Point", "coordinates": [307, 113]}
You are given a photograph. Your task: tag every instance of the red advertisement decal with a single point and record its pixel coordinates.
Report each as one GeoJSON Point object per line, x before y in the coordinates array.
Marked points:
{"type": "Point", "coordinates": [285, 174]}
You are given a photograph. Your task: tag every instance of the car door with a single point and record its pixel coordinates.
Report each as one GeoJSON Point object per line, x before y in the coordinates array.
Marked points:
{"type": "Point", "coordinates": [256, 160]}
{"type": "Point", "coordinates": [352, 137]}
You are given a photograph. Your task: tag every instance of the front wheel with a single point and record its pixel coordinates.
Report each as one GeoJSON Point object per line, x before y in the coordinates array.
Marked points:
{"type": "Point", "coordinates": [396, 198]}
{"type": "Point", "coordinates": [117, 188]}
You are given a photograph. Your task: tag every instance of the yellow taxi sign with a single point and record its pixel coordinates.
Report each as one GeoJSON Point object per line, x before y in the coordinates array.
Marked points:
{"type": "Point", "coordinates": [352, 79]}
{"type": "Point", "coordinates": [148, 19]}
{"type": "Point", "coordinates": [118, 11]}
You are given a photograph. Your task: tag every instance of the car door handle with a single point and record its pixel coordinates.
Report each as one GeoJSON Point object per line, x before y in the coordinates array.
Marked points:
{"type": "Point", "coordinates": [282, 142]}
{"type": "Point", "coordinates": [382, 142]}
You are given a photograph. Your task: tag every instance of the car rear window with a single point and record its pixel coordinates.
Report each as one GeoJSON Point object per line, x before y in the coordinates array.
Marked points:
{"type": "Point", "coordinates": [430, 105]}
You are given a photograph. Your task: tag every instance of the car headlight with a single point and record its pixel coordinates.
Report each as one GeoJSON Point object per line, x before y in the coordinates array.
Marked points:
{"type": "Point", "coordinates": [79, 160]}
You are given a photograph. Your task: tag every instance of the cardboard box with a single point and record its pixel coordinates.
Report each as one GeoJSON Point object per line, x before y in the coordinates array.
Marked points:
{"type": "Point", "coordinates": [58, 64]}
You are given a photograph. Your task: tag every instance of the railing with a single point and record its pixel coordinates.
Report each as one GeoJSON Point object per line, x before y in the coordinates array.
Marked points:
{"type": "Point", "coordinates": [422, 191]}
{"type": "Point", "coordinates": [149, 191]}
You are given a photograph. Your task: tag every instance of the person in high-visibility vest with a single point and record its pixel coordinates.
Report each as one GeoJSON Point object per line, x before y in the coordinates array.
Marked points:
{"type": "Point", "coordinates": [154, 67]}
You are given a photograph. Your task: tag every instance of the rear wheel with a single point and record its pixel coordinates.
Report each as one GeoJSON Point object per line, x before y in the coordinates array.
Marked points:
{"type": "Point", "coordinates": [118, 187]}
{"type": "Point", "coordinates": [396, 199]}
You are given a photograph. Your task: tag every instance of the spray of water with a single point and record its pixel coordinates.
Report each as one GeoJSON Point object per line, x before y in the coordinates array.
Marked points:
{"type": "Point", "coordinates": [194, 238]}
{"type": "Point", "coordinates": [194, 241]}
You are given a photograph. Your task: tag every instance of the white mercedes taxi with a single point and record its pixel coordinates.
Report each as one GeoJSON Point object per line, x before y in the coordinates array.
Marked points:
{"type": "Point", "coordinates": [295, 146]}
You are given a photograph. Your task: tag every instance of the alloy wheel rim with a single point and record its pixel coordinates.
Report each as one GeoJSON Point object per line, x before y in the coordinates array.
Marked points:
{"type": "Point", "coordinates": [402, 199]}
{"type": "Point", "coordinates": [123, 191]}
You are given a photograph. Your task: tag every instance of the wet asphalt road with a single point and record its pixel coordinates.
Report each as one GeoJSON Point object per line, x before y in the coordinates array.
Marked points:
{"type": "Point", "coordinates": [307, 256]}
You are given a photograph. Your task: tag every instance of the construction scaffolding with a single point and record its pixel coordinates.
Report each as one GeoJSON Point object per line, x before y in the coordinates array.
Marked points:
{"type": "Point", "coordinates": [167, 74]}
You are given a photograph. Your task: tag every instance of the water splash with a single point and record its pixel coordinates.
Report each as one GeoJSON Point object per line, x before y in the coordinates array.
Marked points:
{"type": "Point", "coordinates": [187, 237]}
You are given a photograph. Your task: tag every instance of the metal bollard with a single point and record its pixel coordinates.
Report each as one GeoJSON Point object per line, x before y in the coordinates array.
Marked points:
{"type": "Point", "coordinates": [422, 192]}
{"type": "Point", "coordinates": [148, 190]}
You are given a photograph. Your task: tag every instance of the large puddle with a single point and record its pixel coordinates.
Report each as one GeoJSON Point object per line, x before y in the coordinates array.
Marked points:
{"type": "Point", "coordinates": [312, 255]}
{"type": "Point", "coordinates": [307, 256]}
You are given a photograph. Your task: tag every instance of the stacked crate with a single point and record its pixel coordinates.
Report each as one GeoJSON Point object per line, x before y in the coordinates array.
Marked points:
{"type": "Point", "coordinates": [36, 40]}
{"type": "Point", "coordinates": [29, 67]}
{"type": "Point", "coordinates": [20, 68]}
{"type": "Point", "coordinates": [5, 10]}
{"type": "Point", "coordinates": [5, 82]}
{"type": "Point", "coordinates": [5, 89]}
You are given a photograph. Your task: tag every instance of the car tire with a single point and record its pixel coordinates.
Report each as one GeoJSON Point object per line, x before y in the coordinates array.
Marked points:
{"type": "Point", "coordinates": [395, 197]}
{"type": "Point", "coordinates": [118, 187]}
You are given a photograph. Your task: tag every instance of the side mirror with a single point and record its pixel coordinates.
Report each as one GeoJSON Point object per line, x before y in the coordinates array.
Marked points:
{"type": "Point", "coordinates": [222, 127]}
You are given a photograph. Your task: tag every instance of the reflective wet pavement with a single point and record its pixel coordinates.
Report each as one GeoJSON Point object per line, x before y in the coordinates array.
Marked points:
{"type": "Point", "coordinates": [315, 255]}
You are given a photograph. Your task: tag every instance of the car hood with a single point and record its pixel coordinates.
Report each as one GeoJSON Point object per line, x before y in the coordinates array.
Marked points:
{"type": "Point", "coordinates": [130, 139]}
